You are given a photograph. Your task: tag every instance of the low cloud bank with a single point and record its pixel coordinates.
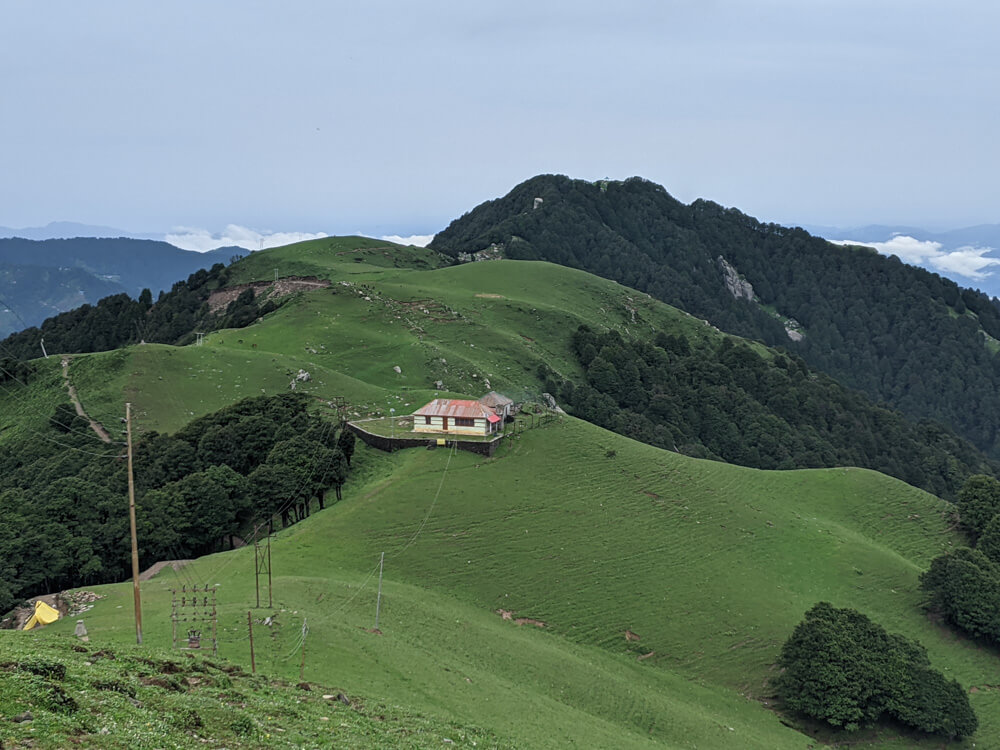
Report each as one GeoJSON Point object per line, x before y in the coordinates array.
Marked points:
{"type": "Point", "coordinates": [420, 240]}
{"type": "Point", "coordinates": [970, 262]}
{"type": "Point", "coordinates": [201, 240]}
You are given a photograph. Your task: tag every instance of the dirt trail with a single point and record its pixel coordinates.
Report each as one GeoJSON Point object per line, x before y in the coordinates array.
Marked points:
{"type": "Point", "coordinates": [94, 424]}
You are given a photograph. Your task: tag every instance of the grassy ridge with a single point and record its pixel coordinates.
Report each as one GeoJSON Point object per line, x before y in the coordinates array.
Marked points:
{"type": "Point", "coordinates": [465, 326]}
{"type": "Point", "coordinates": [710, 565]}
{"type": "Point", "coordinates": [332, 257]}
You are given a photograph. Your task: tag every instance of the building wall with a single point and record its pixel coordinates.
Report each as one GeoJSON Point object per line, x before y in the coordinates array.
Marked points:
{"type": "Point", "coordinates": [436, 426]}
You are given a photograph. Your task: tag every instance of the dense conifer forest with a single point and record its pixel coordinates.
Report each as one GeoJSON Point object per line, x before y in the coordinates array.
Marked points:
{"type": "Point", "coordinates": [900, 334]}
{"type": "Point", "coordinates": [119, 320]}
{"type": "Point", "coordinates": [735, 404]}
{"type": "Point", "coordinates": [61, 515]}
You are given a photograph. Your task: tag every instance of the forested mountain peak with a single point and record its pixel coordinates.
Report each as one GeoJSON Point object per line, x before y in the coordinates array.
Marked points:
{"type": "Point", "coordinates": [901, 334]}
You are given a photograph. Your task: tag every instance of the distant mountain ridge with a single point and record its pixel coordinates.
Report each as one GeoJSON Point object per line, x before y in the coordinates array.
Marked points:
{"type": "Point", "coordinates": [981, 235]}
{"type": "Point", "coordinates": [901, 334]}
{"type": "Point", "coordinates": [64, 230]}
{"type": "Point", "coordinates": [82, 270]}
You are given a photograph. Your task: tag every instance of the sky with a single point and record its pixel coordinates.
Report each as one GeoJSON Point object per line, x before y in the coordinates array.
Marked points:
{"type": "Point", "coordinates": [205, 120]}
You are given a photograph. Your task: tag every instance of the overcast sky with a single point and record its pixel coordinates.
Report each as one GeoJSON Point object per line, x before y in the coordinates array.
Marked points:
{"type": "Point", "coordinates": [393, 117]}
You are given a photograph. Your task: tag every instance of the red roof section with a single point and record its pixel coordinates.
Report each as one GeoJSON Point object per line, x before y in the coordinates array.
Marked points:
{"type": "Point", "coordinates": [453, 407]}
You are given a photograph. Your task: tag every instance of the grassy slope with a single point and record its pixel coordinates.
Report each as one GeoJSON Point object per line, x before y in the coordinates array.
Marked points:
{"type": "Point", "coordinates": [711, 565]}
{"type": "Point", "coordinates": [132, 697]}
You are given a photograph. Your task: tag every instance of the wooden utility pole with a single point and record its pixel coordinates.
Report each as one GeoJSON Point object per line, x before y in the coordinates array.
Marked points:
{"type": "Point", "coordinates": [253, 661]}
{"type": "Point", "coordinates": [131, 518]}
{"type": "Point", "coordinates": [378, 602]}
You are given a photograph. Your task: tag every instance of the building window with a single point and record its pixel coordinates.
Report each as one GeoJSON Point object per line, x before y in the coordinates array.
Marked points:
{"type": "Point", "coordinates": [465, 422]}
{"type": "Point", "coordinates": [427, 420]}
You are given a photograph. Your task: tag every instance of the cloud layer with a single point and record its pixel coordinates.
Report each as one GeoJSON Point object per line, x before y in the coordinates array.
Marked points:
{"type": "Point", "coordinates": [201, 240]}
{"type": "Point", "coordinates": [420, 240]}
{"type": "Point", "coordinates": [969, 262]}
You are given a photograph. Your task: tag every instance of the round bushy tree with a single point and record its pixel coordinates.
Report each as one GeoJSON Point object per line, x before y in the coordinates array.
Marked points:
{"type": "Point", "coordinates": [978, 502]}
{"type": "Point", "coordinates": [840, 667]}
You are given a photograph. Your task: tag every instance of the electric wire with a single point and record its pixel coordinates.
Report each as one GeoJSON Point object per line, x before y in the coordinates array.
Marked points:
{"type": "Point", "coordinates": [430, 509]}
{"type": "Point", "coordinates": [259, 519]}
{"type": "Point", "coordinates": [69, 428]}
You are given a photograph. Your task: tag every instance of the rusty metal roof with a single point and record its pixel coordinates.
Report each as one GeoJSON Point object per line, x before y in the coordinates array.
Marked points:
{"type": "Point", "coordinates": [453, 407]}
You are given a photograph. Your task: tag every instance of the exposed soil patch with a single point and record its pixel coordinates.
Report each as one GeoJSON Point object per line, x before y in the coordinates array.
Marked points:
{"type": "Point", "coordinates": [269, 289]}
{"type": "Point", "coordinates": [630, 636]}
{"type": "Point", "coordinates": [507, 614]}
{"type": "Point", "coordinates": [491, 296]}
{"type": "Point", "coordinates": [981, 688]}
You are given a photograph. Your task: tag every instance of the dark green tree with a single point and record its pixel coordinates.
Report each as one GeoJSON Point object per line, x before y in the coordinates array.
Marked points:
{"type": "Point", "coordinates": [978, 502]}
{"type": "Point", "coordinates": [843, 669]}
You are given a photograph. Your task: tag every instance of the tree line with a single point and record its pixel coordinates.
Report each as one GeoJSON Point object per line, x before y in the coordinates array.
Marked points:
{"type": "Point", "coordinates": [963, 586]}
{"type": "Point", "coordinates": [767, 410]}
{"type": "Point", "coordinates": [119, 320]}
{"type": "Point", "coordinates": [62, 519]}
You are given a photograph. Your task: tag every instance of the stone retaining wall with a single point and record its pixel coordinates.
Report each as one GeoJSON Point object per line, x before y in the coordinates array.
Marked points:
{"type": "Point", "coordinates": [390, 444]}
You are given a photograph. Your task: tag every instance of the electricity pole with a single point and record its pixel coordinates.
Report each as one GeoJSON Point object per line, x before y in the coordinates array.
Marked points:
{"type": "Point", "coordinates": [131, 517]}
{"type": "Point", "coordinates": [262, 560]}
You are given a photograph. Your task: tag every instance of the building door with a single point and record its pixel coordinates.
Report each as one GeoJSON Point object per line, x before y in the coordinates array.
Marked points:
{"type": "Point", "coordinates": [444, 423]}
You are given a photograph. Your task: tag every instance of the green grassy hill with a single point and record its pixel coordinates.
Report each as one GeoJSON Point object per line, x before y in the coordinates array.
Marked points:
{"type": "Point", "coordinates": [708, 566]}
{"type": "Point", "coordinates": [472, 327]}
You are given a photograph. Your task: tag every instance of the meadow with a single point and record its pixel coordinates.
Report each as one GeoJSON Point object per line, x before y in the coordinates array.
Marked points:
{"type": "Point", "coordinates": [654, 590]}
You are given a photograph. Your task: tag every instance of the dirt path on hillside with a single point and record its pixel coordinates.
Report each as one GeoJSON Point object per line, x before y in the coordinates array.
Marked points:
{"type": "Point", "coordinates": [94, 424]}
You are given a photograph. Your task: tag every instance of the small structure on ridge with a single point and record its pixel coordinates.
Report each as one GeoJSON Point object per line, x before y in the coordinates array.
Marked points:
{"type": "Point", "coordinates": [500, 404]}
{"type": "Point", "coordinates": [456, 416]}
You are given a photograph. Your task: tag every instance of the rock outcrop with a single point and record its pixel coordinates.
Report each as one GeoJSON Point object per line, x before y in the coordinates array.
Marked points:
{"type": "Point", "coordinates": [739, 288]}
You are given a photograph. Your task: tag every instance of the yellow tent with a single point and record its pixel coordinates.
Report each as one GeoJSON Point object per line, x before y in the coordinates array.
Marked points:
{"type": "Point", "coordinates": [44, 614]}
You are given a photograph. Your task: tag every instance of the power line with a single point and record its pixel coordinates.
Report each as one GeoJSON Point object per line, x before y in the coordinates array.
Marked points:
{"type": "Point", "coordinates": [10, 307]}
{"type": "Point", "coordinates": [454, 449]}
{"type": "Point", "coordinates": [69, 428]}
{"type": "Point", "coordinates": [329, 426]}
